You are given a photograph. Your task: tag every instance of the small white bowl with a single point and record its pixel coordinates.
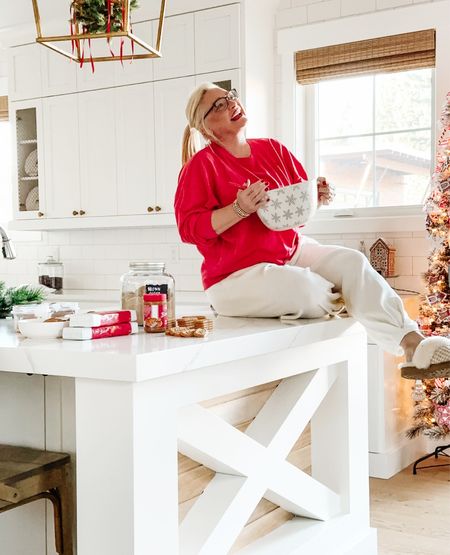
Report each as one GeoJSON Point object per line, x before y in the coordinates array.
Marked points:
{"type": "Point", "coordinates": [38, 329]}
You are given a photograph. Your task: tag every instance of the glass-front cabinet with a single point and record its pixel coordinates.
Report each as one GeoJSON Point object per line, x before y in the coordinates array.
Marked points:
{"type": "Point", "coordinates": [28, 168]}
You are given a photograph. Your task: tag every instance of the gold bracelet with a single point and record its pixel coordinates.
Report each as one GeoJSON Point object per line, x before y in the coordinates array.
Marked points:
{"type": "Point", "coordinates": [239, 211]}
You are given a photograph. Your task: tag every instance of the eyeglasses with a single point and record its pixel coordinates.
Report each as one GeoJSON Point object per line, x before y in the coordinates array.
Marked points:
{"type": "Point", "coordinates": [222, 103]}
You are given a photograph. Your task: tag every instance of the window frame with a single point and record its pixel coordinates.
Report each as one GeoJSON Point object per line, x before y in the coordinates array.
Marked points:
{"type": "Point", "coordinates": [295, 118]}
{"type": "Point", "coordinates": [310, 157]}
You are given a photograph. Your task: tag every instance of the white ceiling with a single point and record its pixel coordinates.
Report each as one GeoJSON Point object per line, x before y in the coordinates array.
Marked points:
{"type": "Point", "coordinates": [20, 12]}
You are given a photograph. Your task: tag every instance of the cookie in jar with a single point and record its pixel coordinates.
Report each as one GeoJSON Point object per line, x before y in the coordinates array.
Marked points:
{"type": "Point", "coordinates": [155, 313]}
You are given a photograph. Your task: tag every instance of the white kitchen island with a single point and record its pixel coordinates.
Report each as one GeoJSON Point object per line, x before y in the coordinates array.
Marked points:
{"type": "Point", "coordinates": [137, 404]}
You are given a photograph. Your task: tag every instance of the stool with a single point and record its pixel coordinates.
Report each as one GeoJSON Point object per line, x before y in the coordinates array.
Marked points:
{"type": "Point", "coordinates": [27, 475]}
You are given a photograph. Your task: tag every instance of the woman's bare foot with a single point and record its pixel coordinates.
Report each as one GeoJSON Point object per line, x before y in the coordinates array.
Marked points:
{"type": "Point", "coordinates": [409, 343]}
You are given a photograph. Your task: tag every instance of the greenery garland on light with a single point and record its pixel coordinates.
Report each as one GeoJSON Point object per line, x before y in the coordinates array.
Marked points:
{"type": "Point", "coordinates": [18, 295]}
{"type": "Point", "coordinates": [93, 14]}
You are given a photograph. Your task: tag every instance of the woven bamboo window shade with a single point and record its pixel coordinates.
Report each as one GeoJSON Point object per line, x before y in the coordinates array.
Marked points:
{"type": "Point", "coordinates": [381, 55]}
{"type": "Point", "coordinates": [3, 108]}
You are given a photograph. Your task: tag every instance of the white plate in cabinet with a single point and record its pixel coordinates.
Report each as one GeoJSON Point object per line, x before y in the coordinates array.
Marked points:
{"type": "Point", "coordinates": [170, 120]}
{"type": "Point", "coordinates": [98, 153]}
{"type": "Point", "coordinates": [62, 160]}
{"type": "Point", "coordinates": [136, 189]}
{"type": "Point", "coordinates": [177, 47]}
{"type": "Point", "coordinates": [59, 74]}
{"type": "Point", "coordinates": [27, 137]}
{"type": "Point", "coordinates": [135, 71]}
{"type": "Point", "coordinates": [217, 37]}
{"type": "Point", "coordinates": [24, 65]}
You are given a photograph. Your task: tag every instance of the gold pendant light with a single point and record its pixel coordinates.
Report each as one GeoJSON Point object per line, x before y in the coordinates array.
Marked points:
{"type": "Point", "coordinates": [77, 37]}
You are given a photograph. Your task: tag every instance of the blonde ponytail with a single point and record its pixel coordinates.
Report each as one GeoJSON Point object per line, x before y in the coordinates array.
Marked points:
{"type": "Point", "coordinates": [194, 131]}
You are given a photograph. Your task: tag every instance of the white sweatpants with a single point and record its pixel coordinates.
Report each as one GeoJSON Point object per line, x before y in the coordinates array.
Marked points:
{"type": "Point", "coordinates": [306, 288]}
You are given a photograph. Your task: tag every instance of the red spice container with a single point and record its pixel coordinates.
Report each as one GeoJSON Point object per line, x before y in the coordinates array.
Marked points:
{"type": "Point", "coordinates": [155, 312]}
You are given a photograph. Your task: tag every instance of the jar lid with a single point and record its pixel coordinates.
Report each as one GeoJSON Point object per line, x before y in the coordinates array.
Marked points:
{"type": "Point", "coordinates": [155, 297]}
{"type": "Point", "coordinates": [51, 262]}
{"type": "Point", "coordinates": [145, 265]}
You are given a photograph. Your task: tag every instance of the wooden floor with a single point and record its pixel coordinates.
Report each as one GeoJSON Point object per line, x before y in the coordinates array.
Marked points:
{"type": "Point", "coordinates": [412, 513]}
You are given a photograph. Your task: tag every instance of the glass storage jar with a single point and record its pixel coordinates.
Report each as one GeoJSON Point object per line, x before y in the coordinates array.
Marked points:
{"type": "Point", "coordinates": [144, 278]}
{"type": "Point", "coordinates": [51, 273]}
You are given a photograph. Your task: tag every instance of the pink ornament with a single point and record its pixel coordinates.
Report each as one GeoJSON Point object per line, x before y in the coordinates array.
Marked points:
{"type": "Point", "coordinates": [442, 415]}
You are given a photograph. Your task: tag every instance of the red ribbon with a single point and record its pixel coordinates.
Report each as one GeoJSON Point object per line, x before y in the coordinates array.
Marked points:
{"type": "Point", "coordinates": [109, 7]}
{"type": "Point", "coordinates": [90, 56]}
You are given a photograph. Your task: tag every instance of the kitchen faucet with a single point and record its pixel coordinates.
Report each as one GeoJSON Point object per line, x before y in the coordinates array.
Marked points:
{"type": "Point", "coordinates": [7, 248]}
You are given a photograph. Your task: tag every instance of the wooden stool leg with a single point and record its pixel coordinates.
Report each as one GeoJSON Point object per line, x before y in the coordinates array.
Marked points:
{"type": "Point", "coordinates": [66, 497]}
{"type": "Point", "coordinates": [53, 496]}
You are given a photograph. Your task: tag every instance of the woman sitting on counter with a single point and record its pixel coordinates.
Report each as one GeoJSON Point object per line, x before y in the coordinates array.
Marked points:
{"type": "Point", "coordinates": [250, 270]}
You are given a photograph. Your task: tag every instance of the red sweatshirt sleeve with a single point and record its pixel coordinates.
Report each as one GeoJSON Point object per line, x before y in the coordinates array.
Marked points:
{"type": "Point", "coordinates": [195, 201]}
{"type": "Point", "coordinates": [291, 163]}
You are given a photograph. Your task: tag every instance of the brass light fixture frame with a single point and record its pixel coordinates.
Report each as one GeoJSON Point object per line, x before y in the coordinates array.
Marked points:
{"type": "Point", "coordinates": [77, 37]}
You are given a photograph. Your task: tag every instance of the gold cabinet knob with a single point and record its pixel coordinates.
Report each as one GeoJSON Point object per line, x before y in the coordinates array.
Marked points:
{"type": "Point", "coordinates": [40, 214]}
{"type": "Point", "coordinates": [157, 208]}
{"type": "Point", "coordinates": [82, 212]}
{"type": "Point", "coordinates": [150, 209]}
{"type": "Point", "coordinates": [75, 212]}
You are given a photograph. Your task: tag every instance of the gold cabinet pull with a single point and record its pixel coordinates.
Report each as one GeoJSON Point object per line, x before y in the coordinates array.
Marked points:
{"type": "Point", "coordinates": [150, 209]}
{"type": "Point", "coordinates": [157, 208]}
{"type": "Point", "coordinates": [75, 212]}
{"type": "Point", "coordinates": [40, 214]}
{"type": "Point", "coordinates": [82, 212]}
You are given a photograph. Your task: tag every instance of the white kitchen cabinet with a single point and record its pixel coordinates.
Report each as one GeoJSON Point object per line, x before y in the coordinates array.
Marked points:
{"type": "Point", "coordinates": [177, 47]}
{"type": "Point", "coordinates": [230, 79]}
{"type": "Point", "coordinates": [135, 71]}
{"type": "Point", "coordinates": [62, 159]}
{"type": "Point", "coordinates": [27, 163]}
{"type": "Point", "coordinates": [170, 121]}
{"type": "Point", "coordinates": [59, 74]}
{"type": "Point", "coordinates": [217, 39]}
{"type": "Point", "coordinates": [24, 79]}
{"type": "Point", "coordinates": [390, 409]}
{"type": "Point", "coordinates": [103, 74]}
{"type": "Point", "coordinates": [98, 153]}
{"type": "Point", "coordinates": [136, 150]}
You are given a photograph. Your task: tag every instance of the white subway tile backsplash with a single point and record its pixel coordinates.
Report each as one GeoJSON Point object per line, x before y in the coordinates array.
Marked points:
{"type": "Point", "coordinates": [420, 265]}
{"type": "Point", "coordinates": [187, 250]}
{"type": "Point", "coordinates": [80, 267]}
{"type": "Point", "coordinates": [141, 252]}
{"type": "Point", "coordinates": [29, 252]}
{"type": "Point", "coordinates": [58, 237]}
{"type": "Point", "coordinates": [82, 237]}
{"type": "Point", "coordinates": [48, 250]}
{"type": "Point", "coordinates": [68, 252]}
{"type": "Point", "coordinates": [412, 247]}
{"type": "Point", "coordinates": [404, 266]}
{"type": "Point", "coordinates": [413, 283]}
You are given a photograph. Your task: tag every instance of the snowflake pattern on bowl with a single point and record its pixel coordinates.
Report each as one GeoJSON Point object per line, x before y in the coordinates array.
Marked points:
{"type": "Point", "coordinates": [289, 206]}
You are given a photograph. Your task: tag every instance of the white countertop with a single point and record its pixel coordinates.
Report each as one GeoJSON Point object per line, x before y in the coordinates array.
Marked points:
{"type": "Point", "coordinates": [147, 356]}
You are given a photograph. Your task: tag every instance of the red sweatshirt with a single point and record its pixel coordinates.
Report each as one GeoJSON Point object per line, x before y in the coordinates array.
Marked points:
{"type": "Point", "coordinates": [210, 180]}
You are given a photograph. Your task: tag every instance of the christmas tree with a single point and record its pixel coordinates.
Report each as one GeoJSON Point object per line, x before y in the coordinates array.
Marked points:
{"type": "Point", "coordinates": [432, 397]}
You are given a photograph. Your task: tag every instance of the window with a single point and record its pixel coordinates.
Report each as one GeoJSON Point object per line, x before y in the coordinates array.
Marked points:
{"type": "Point", "coordinates": [374, 138]}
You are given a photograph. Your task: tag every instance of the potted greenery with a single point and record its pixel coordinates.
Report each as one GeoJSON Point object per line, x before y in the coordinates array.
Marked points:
{"type": "Point", "coordinates": [18, 295]}
{"type": "Point", "coordinates": [100, 16]}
